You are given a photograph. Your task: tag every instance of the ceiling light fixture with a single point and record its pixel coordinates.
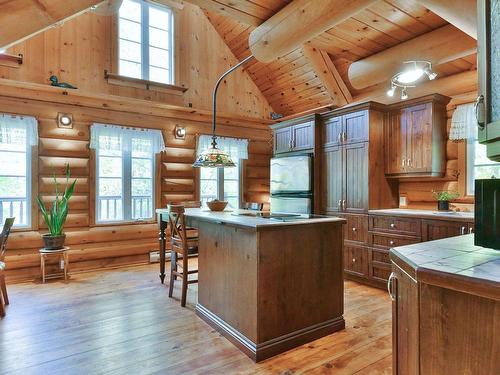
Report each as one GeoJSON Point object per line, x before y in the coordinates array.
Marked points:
{"type": "Point", "coordinates": [214, 157]}
{"type": "Point", "coordinates": [410, 76]}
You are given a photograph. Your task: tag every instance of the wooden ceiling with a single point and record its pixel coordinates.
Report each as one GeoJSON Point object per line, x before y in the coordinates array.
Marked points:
{"type": "Point", "coordinates": [290, 83]}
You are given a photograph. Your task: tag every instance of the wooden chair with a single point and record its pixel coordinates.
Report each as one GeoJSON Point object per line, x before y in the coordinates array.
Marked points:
{"type": "Point", "coordinates": [4, 298]}
{"type": "Point", "coordinates": [182, 243]}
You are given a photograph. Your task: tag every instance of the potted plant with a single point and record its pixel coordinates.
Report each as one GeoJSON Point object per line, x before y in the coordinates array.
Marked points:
{"type": "Point", "coordinates": [443, 198]}
{"type": "Point", "coordinates": [56, 216]}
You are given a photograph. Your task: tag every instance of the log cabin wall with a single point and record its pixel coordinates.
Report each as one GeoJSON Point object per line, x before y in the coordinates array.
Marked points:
{"type": "Point", "coordinates": [81, 49]}
{"type": "Point", "coordinates": [419, 192]}
{"type": "Point", "coordinates": [64, 51]}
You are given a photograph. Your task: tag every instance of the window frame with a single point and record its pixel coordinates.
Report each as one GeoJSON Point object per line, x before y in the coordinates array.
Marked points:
{"type": "Point", "coordinates": [145, 5]}
{"type": "Point", "coordinates": [220, 184]}
{"type": "Point", "coordinates": [31, 189]}
{"type": "Point", "coordinates": [470, 153]}
{"type": "Point", "coordinates": [126, 190]}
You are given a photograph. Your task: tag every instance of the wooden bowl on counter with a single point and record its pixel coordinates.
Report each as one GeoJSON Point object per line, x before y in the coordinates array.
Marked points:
{"type": "Point", "coordinates": [217, 205]}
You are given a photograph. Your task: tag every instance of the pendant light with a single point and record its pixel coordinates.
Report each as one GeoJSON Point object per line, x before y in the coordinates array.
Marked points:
{"type": "Point", "coordinates": [214, 157]}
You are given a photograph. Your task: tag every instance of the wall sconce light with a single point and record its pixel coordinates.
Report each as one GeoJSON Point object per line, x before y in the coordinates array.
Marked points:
{"type": "Point", "coordinates": [180, 132]}
{"type": "Point", "coordinates": [65, 120]}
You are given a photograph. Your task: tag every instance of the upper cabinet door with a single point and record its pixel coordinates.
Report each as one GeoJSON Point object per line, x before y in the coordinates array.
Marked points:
{"type": "Point", "coordinates": [395, 144]}
{"type": "Point", "coordinates": [355, 127]}
{"type": "Point", "coordinates": [419, 143]}
{"type": "Point", "coordinates": [303, 136]}
{"type": "Point", "coordinates": [356, 177]}
{"type": "Point", "coordinates": [282, 140]}
{"type": "Point", "coordinates": [332, 179]}
{"type": "Point", "coordinates": [332, 131]}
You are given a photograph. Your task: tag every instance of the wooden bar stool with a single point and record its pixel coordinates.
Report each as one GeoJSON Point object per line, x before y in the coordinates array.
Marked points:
{"type": "Point", "coordinates": [182, 242]}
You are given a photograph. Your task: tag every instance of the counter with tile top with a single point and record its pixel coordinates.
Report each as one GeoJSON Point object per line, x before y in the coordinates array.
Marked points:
{"type": "Point", "coordinates": [426, 214]}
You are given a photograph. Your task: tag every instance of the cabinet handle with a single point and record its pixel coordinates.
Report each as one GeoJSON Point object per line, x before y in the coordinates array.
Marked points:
{"type": "Point", "coordinates": [471, 230]}
{"type": "Point", "coordinates": [340, 204]}
{"type": "Point", "coordinates": [391, 242]}
{"type": "Point", "coordinates": [354, 260]}
{"type": "Point", "coordinates": [403, 163]}
{"type": "Point", "coordinates": [393, 225]}
{"type": "Point", "coordinates": [354, 229]}
{"type": "Point", "coordinates": [339, 138]}
{"type": "Point", "coordinates": [408, 162]}
{"type": "Point", "coordinates": [344, 136]}
{"type": "Point", "coordinates": [390, 286]}
{"type": "Point", "coordinates": [462, 230]}
{"type": "Point", "coordinates": [343, 205]}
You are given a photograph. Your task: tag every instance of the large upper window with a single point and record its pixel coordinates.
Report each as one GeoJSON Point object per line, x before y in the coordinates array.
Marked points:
{"type": "Point", "coordinates": [223, 183]}
{"type": "Point", "coordinates": [146, 41]}
{"type": "Point", "coordinates": [478, 165]}
{"type": "Point", "coordinates": [125, 170]}
{"type": "Point", "coordinates": [17, 135]}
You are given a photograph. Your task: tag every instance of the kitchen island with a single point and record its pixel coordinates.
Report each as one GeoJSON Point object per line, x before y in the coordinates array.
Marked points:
{"type": "Point", "coordinates": [268, 285]}
{"type": "Point", "coordinates": [446, 308]}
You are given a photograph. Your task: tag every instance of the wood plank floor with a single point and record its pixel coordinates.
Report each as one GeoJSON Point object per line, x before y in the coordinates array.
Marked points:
{"type": "Point", "coordinates": [122, 322]}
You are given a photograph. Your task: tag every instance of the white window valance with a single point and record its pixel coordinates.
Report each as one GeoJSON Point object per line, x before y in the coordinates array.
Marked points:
{"type": "Point", "coordinates": [463, 123]}
{"type": "Point", "coordinates": [10, 123]}
{"type": "Point", "coordinates": [126, 133]}
{"type": "Point", "coordinates": [236, 148]}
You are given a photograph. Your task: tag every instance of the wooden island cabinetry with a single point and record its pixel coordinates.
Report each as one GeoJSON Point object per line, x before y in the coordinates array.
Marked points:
{"type": "Point", "coordinates": [446, 308]}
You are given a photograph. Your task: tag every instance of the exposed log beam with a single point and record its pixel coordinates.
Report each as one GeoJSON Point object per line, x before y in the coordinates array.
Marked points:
{"type": "Point", "coordinates": [439, 46]}
{"type": "Point", "coordinates": [460, 13]}
{"type": "Point", "coordinates": [299, 22]}
{"type": "Point", "coordinates": [227, 8]}
{"type": "Point", "coordinates": [450, 86]}
{"type": "Point", "coordinates": [21, 19]}
{"type": "Point", "coordinates": [328, 75]}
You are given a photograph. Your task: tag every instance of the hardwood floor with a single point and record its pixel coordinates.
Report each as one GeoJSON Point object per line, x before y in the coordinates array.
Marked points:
{"type": "Point", "coordinates": [122, 321]}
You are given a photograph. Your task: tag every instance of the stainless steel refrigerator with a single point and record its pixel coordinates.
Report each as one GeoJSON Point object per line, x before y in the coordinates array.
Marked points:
{"type": "Point", "coordinates": [291, 184]}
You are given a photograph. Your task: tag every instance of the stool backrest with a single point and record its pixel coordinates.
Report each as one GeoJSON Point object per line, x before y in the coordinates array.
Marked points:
{"type": "Point", "coordinates": [177, 224]}
{"type": "Point", "coordinates": [7, 226]}
{"type": "Point", "coordinates": [186, 204]}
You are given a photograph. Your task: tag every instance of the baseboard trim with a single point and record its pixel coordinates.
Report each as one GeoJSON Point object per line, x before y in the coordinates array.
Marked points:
{"type": "Point", "coordinates": [259, 352]}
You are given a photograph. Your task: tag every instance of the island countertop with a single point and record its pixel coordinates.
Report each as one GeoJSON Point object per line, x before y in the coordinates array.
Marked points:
{"type": "Point", "coordinates": [252, 222]}
{"type": "Point", "coordinates": [453, 262]}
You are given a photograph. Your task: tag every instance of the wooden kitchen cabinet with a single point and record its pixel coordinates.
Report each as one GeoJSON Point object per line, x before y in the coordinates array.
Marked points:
{"type": "Point", "coordinates": [295, 135]}
{"type": "Point", "coordinates": [438, 229]}
{"type": "Point", "coordinates": [346, 129]}
{"type": "Point", "coordinates": [356, 260]}
{"type": "Point", "coordinates": [356, 228]}
{"type": "Point", "coordinates": [415, 138]}
{"type": "Point", "coordinates": [332, 184]}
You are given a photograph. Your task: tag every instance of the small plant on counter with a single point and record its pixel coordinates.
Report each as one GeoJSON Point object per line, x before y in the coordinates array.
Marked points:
{"type": "Point", "coordinates": [443, 198]}
{"type": "Point", "coordinates": [56, 216]}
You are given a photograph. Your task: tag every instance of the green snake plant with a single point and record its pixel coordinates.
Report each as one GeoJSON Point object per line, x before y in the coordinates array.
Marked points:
{"type": "Point", "coordinates": [56, 216]}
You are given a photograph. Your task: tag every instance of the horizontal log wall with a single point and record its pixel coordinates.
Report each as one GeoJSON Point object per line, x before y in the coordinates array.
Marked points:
{"type": "Point", "coordinates": [419, 192]}
{"type": "Point", "coordinates": [94, 247]}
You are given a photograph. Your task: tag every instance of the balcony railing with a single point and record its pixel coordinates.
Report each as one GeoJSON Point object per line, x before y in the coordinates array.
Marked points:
{"type": "Point", "coordinates": [111, 209]}
{"type": "Point", "coordinates": [142, 207]}
{"type": "Point", "coordinates": [13, 207]}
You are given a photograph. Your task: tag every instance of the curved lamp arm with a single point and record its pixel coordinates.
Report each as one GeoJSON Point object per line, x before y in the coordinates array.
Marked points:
{"type": "Point", "coordinates": [214, 97]}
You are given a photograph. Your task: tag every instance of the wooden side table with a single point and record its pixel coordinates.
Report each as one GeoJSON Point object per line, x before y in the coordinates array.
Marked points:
{"type": "Point", "coordinates": [61, 254]}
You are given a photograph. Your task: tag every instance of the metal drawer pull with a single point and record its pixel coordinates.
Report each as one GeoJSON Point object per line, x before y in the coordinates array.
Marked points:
{"type": "Point", "coordinates": [403, 163]}
{"type": "Point", "coordinates": [462, 230]}
{"type": "Point", "coordinates": [354, 260]}
{"type": "Point", "coordinates": [408, 162]}
{"type": "Point", "coordinates": [354, 229]}
{"type": "Point", "coordinates": [340, 204]}
{"type": "Point", "coordinates": [339, 138]}
{"type": "Point", "coordinates": [471, 230]}
{"type": "Point", "coordinates": [390, 286]}
{"type": "Point", "coordinates": [393, 225]}
{"type": "Point", "coordinates": [391, 242]}
{"type": "Point", "coordinates": [343, 205]}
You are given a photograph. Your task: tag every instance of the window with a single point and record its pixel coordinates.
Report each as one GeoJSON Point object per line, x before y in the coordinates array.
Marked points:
{"type": "Point", "coordinates": [223, 183]}
{"type": "Point", "coordinates": [125, 170]}
{"type": "Point", "coordinates": [17, 136]}
{"type": "Point", "coordinates": [478, 165]}
{"type": "Point", "coordinates": [145, 46]}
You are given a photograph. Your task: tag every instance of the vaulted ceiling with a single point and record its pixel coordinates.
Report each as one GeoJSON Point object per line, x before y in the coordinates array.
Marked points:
{"type": "Point", "coordinates": [292, 84]}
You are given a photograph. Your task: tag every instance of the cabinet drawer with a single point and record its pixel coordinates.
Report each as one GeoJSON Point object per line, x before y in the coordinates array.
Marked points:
{"type": "Point", "coordinates": [380, 256]}
{"type": "Point", "coordinates": [380, 271]}
{"type": "Point", "coordinates": [356, 260]}
{"type": "Point", "coordinates": [398, 225]}
{"type": "Point", "coordinates": [384, 241]}
{"type": "Point", "coordinates": [356, 229]}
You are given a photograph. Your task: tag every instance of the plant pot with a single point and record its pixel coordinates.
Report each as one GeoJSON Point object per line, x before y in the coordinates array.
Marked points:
{"type": "Point", "coordinates": [53, 242]}
{"type": "Point", "coordinates": [443, 205]}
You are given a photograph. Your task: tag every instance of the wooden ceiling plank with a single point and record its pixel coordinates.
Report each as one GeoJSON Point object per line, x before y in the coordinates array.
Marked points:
{"type": "Point", "coordinates": [385, 26]}
{"type": "Point", "coordinates": [276, 38]}
{"type": "Point", "coordinates": [22, 19]}
{"type": "Point", "coordinates": [419, 12]}
{"type": "Point", "coordinates": [227, 10]}
{"type": "Point", "coordinates": [397, 16]}
{"type": "Point", "coordinates": [323, 66]}
{"type": "Point", "coordinates": [438, 47]}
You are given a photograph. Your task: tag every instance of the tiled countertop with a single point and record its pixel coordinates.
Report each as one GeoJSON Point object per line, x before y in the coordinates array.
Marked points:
{"type": "Point", "coordinates": [427, 214]}
{"type": "Point", "coordinates": [454, 259]}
